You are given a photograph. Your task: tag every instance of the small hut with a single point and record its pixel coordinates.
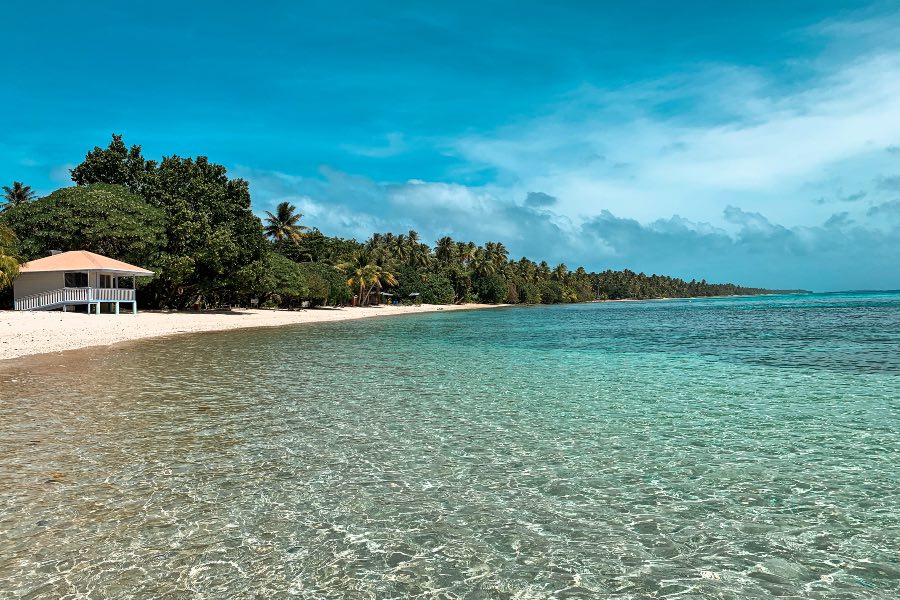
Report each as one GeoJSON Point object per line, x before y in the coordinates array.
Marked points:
{"type": "Point", "coordinates": [76, 278]}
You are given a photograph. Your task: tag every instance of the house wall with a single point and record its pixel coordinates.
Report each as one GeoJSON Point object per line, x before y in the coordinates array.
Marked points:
{"type": "Point", "coordinates": [27, 284]}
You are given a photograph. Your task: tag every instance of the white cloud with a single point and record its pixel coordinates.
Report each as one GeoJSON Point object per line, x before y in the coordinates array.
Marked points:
{"type": "Point", "coordinates": [748, 142]}
{"type": "Point", "coordinates": [760, 182]}
{"type": "Point", "coordinates": [395, 144]}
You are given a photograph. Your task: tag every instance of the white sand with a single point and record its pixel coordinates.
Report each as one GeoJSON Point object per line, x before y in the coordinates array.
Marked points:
{"type": "Point", "coordinates": [29, 333]}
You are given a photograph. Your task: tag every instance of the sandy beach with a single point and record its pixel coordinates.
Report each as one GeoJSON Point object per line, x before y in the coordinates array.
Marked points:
{"type": "Point", "coordinates": [31, 333]}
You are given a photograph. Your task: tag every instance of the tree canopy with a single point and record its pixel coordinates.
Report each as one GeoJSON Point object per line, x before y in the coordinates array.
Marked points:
{"type": "Point", "coordinates": [101, 218]}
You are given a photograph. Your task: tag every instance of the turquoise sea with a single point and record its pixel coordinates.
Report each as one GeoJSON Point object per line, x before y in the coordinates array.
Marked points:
{"type": "Point", "coordinates": [719, 448]}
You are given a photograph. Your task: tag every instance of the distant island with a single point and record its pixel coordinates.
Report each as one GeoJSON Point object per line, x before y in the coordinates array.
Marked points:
{"type": "Point", "coordinates": [191, 224]}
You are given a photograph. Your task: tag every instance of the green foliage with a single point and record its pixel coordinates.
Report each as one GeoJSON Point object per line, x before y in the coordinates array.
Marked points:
{"type": "Point", "coordinates": [409, 281]}
{"type": "Point", "coordinates": [212, 235]}
{"type": "Point", "coordinates": [325, 284]}
{"type": "Point", "coordinates": [437, 289]}
{"type": "Point", "coordinates": [116, 164]}
{"type": "Point", "coordinates": [367, 274]}
{"type": "Point", "coordinates": [529, 293]}
{"type": "Point", "coordinates": [106, 219]}
{"type": "Point", "coordinates": [551, 292]}
{"type": "Point", "coordinates": [9, 261]}
{"type": "Point", "coordinates": [274, 279]}
{"type": "Point", "coordinates": [630, 285]}
{"type": "Point", "coordinates": [17, 194]}
{"type": "Point", "coordinates": [491, 288]}
{"type": "Point", "coordinates": [313, 246]}
{"type": "Point", "coordinates": [284, 225]}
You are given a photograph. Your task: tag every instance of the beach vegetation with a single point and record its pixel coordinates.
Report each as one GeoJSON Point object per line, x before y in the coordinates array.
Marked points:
{"type": "Point", "coordinates": [284, 224]}
{"type": "Point", "coordinates": [102, 218]}
{"type": "Point", "coordinates": [193, 225]}
{"type": "Point", "coordinates": [9, 259]}
{"type": "Point", "coordinates": [326, 284]}
{"type": "Point", "coordinates": [16, 194]}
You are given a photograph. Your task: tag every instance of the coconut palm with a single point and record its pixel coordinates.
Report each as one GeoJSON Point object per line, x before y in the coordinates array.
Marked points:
{"type": "Point", "coordinates": [497, 253]}
{"type": "Point", "coordinates": [543, 271]}
{"type": "Point", "coordinates": [366, 276]}
{"type": "Point", "coordinates": [285, 223]}
{"type": "Point", "coordinates": [465, 252]}
{"type": "Point", "coordinates": [482, 264]}
{"type": "Point", "coordinates": [445, 250]}
{"type": "Point", "coordinates": [560, 272]}
{"type": "Point", "coordinates": [18, 194]}
{"type": "Point", "coordinates": [400, 248]}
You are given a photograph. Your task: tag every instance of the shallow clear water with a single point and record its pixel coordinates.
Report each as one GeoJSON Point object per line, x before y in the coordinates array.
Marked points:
{"type": "Point", "coordinates": [725, 448]}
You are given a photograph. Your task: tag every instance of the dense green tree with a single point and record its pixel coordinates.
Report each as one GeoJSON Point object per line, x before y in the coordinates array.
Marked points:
{"type": "Point", "coordinates": [551, 292]}
{"type": "Point", "coordinates": [326, 284]}
{"type": "Point", "coordinates": [491, 288]}
{"type": "Point", "coordinates": [211, 233]}
{"type": "Point", "coordinates": [274, 279]}
{"type": "Point", "coordinates": [529, 293]}
{"type": "Point", "coordinates": [101, 218]}
{"type": "Point", "coordinates": [9, 260]}
{"type": "Point", "coordinates": [437, 289]}
{"type": "Point", "coordinates": [115, 164]}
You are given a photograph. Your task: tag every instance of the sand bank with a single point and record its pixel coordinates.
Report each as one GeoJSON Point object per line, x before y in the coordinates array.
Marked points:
{"type": "Point", "coordinates": [30, 333]}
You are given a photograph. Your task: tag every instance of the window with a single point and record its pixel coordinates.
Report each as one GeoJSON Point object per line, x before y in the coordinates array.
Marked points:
{"type": "Point", "coordinates": [76, 280]}
{"type": "Point", "coordinates": [105, 281]}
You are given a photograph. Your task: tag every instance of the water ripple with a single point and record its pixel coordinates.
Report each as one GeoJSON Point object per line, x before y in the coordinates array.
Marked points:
{"type": "Point", "coordinates": [725, 449]}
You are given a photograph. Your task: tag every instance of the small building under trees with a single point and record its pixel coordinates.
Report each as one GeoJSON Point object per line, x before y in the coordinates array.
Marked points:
{"type": "Point", "coordinates": [76, 279]}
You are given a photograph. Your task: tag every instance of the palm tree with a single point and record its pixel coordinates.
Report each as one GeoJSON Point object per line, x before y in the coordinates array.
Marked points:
{"type": "Point", "coordinates": [482, 263]}
{"type": "Point", "coordinates": [445, 250]}
{"type": "Point", "coordinates": [285, 223]}
{"type": "Point", "coordinates": [366, 276]}
{"type": "Point", "coordinates": [18, 194]}
{"type": "Point", "coordinates": [9, 264]}
{"type": "Point", "coordinates": [497, 253]}
{"type": "Point", "coordinates": [543, 271]}
{"type": "Point", "coordinates": [560, 272]}
{"type": "Point", "coordinates": [401, 248]}
{"type": "Point", "coordinates": [465, 252]}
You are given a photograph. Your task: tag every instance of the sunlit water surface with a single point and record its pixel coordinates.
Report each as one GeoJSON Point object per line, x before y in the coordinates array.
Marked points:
{"type": "Point", "coordinates": [726, 448]}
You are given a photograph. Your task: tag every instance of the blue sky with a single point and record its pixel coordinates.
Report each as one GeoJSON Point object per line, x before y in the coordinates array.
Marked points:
{"type": "Point", "coordinates": [754, 142]}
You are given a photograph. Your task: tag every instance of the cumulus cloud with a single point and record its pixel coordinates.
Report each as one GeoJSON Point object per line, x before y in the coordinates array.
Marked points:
{"type": "Point", "coordinates": [749, 137]}
{"type": "Point", "coordinates": [889, 183]}
{"type": "Point", "coordinates": [890, 210]}
{"type": "Point", "coordinates": [539, 199]}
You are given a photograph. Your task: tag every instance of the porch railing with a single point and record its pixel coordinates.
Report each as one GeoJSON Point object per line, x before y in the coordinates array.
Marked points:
{"type": "Point", "coordinates": [52, 298]}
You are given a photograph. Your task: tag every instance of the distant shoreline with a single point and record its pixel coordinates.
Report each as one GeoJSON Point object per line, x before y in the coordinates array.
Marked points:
{"type": "Point", "coordinates": [27, 334]}
{"type": "Point", "coordinates": [785, 293]}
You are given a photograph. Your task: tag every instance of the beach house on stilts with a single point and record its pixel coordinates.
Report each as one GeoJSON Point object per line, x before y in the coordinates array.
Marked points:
{"type": "Point", "coordinates": [76, 279]}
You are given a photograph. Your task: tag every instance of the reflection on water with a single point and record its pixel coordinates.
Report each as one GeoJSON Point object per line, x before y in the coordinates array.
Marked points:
{"type": "Point", "coordinates": [718, 448]}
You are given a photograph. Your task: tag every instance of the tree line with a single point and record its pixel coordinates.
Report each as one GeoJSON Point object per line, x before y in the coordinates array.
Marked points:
{"type": "Point", "coordinates": [191, 224]}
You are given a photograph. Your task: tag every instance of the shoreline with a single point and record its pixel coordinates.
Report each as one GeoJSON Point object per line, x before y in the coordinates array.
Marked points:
{"type": "Point", "coordinates": [29, 334]}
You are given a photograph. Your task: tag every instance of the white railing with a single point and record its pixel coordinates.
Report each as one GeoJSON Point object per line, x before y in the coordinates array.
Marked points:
{"type": "Point", "coordinates": [73, 296]}
{"type": "Point", "coordinates": [112, 294]}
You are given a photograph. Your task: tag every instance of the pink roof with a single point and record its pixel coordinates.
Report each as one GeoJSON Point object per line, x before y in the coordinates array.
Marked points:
{"type": "Point", "coordinates": [80, 260]}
